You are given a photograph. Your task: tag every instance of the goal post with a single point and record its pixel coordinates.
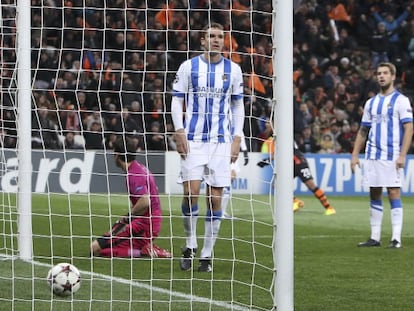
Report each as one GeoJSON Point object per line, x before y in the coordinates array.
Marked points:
{"type": "Point", "coordinates": [87, 72]}
{"type": "Point", "coordinates": [24, 130]}
{"type": "Point", "coordinates": [283, 216]}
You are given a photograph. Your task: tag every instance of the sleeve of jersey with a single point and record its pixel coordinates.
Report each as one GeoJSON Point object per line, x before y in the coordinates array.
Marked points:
{"type": "Point", "coordinates": [180, 84]}
{"type": "Point", "coordinates": [406, 112]}
{"type": "Point", "coordinates": [238, 117]}
{"type": "Point", "coordinates": [366, 116]}
{"type": "Point", "coordinates": [138, 186]}
{"type": "Point", "coordinates": [237, 102]}
{"type": "Point", "coordinates": [238, 87]}
{"type": "Point", "coordinates": [177, 112]}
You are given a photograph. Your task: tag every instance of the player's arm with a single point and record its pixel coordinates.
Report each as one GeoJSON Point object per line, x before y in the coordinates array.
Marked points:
{"type": "Point", "coordinates": [359, 144]}
{"type": "Point", "coordinates": [406, 118]}
{"type": "Point", "coordinates": [243, 148]}
{"type": "Point", "coordinates": [177, 118]}
{"type": "Point", "coordinates": [406, 142]}
{"type": "Point", "coordinates": [238, 123]}
{"type": "Point", "coordinates": [141, 206]}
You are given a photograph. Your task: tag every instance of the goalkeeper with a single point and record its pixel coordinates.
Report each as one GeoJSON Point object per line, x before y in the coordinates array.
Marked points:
{"type": "Point", "coordinates": [133, 234]}
{"type": "Point", "coordinates": [301, 170]}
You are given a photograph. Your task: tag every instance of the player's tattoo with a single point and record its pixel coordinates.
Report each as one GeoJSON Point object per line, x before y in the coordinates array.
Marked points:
{"type": "Point", "coordinates": [363, 131]}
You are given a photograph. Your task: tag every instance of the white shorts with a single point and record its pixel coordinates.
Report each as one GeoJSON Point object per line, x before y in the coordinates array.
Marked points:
{"type": "Point", "coordinates": [209, 162]}
{"type": "Point", "coordinates": [381, 173]}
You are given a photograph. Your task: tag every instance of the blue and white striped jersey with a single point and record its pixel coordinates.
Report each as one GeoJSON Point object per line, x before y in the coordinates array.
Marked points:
{"type": "Point", "coordinates": [208, 89]}
{"type": "Point", "coordinates": [385, 116]}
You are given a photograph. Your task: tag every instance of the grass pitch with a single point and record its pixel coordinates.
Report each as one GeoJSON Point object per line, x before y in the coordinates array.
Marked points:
{"type": "Point", "coordinates": [331, 273]}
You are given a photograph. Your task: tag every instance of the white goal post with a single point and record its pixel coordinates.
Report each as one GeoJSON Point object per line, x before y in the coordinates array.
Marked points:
{"type": "Point", "coordinates": [77, 74]}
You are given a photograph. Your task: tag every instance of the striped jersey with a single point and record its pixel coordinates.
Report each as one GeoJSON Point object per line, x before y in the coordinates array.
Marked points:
{"type": "Point", "coordinates": [385, 116]}
{"type": "Point", "coordinates": [207, 89]}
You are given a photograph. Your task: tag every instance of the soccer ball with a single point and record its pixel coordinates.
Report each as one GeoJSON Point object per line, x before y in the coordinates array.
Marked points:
{"type": "Point", "coordinates": [64, 279]}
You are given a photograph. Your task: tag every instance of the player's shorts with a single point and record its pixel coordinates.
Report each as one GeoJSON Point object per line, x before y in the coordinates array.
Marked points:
{"type": "Point", "coordinates": [209, 162]}
{"type": "Point", "coordinates": [138, 233]}
{"type": "Point", "coordinates": [301, 166]}
{"type": "Point", "coordinates": [381, 173]}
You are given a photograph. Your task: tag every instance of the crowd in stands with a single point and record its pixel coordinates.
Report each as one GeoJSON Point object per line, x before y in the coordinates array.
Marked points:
{"type": "Point", "coordinates": [106, 70]}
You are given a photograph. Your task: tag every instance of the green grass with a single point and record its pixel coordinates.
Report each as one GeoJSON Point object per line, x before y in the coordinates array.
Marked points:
{"type": "Point", "coordinates": [331, 273]}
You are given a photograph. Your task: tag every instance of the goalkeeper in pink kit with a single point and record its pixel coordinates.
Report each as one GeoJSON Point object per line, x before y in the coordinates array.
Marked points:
{"type": "Point", "coordinates": [133, 234]}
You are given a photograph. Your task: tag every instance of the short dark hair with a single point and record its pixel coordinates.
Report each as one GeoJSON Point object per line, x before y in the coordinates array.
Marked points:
{"type": "Point", "coordinates": [126, 147]}
{"type": "Point", "coordinates": [211, 26]}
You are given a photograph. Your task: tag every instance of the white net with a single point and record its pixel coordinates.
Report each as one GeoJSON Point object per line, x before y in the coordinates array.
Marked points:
{"type": "Point", "coordinates": [103, 70]}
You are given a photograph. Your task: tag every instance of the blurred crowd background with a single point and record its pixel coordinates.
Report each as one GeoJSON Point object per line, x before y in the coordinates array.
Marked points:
{"type": "Point", "coordinates": [105, 68]}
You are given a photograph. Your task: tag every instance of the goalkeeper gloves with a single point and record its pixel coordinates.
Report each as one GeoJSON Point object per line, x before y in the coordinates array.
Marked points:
{"type": "Point", "coordinates": [125, 220]}
{"type": "Point", "coordinates": [246, 157]}
{"type": "Point", "coordinates": [264, 162]}
{"type": "Point", "coordinates": [119, 225]}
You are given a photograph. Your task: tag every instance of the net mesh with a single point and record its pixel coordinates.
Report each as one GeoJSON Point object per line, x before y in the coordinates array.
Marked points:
{"type": "Point", "coordinates": [101, 70]}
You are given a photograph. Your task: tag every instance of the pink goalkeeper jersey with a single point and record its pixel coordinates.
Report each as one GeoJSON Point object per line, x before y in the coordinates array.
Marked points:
{"type": "Point", "coordinates": [140, 181]}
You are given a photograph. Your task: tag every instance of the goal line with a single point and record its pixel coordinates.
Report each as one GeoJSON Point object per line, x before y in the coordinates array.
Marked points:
{"type": "Point", "coordinates": [159, 290]}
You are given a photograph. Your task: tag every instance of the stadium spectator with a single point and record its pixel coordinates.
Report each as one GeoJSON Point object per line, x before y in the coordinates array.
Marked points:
{"type": "Point", "coordinates": [70, 119]}
{"type": "Point", "coordinates": [346, 43]}
{"type": "Point", "coordinates": [93, 136]}
{"type": "Point", "coordinates": [316, 133]}
{"type": "Point", "coordinates": [44, 74]}
{"type": "Point", "coordinates": [327, 144]}
{"type": "Point", "coordinates": [95, 116]}
{"type": "Point", "coordinates": [306, 114]}
{"type": "Point", "coordinates": [328, 108]}
{"type": "Point", "coordinates": [129, 92]}
{"type": "Point", "coordinates": [70, 142]}
{"type": "Point", "coordinates": [347, 138]}
{"type": "Point", "coordinates": [8, 128]}
{"type": "Point", "coordinates": [392, 25]}
{"type": "Point", "coordinates": [322, 121]}
{"type": "Point", "coordinates": [155, 139]}
{"type": "Point", "coordinates": [380, 45]}
{"type": "Point", "coordinates": [335, 130]}
{"type": "Point", "coordinates": [352, 112]}
{"type": "Point", "coordinates": [307, 143]}
{"type": "Point", "coordinates": [116, 47]}
{"type": "Point", "coordinates": [125, 125]}
{"type": "Point", "coordinates": [156, 110]}
{"type": "Point", "coordinates": [86, 103]}
{"type": "Point", "coordinates": [341, 96]}
{"type": "Point", "coordinates": [368, 87]}
{"type": "Point", "coordinates": [318, 42]}
{"type": "Point", "coordinates": [136, 113]}
{"type": "Point", "coordinates": [44, 130]}
{"type": "Point", "coordinates": [331, 78]}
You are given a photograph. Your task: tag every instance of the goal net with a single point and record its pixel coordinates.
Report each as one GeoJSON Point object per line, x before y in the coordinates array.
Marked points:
{"type": "Point", "coordinates": [102, 70]}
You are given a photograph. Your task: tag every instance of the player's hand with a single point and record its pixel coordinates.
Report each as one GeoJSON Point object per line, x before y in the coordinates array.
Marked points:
{"type": "Point", "coordinates": [264, 162]}
{"type": "Point", "coordinates": [119, 225]}
{"type": "Point", "coordinates": [235, 149]}
{"type": "Point", "coordinates": [181, 143]}
{"type": "Point", "coordinates": [125, 220]}
{"type": "Point", "coordinates": [354, 163]}
{"type": "Point", "coordinates": [400, 162]}
{"type": "Point", "coordinates": [246, 157]}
